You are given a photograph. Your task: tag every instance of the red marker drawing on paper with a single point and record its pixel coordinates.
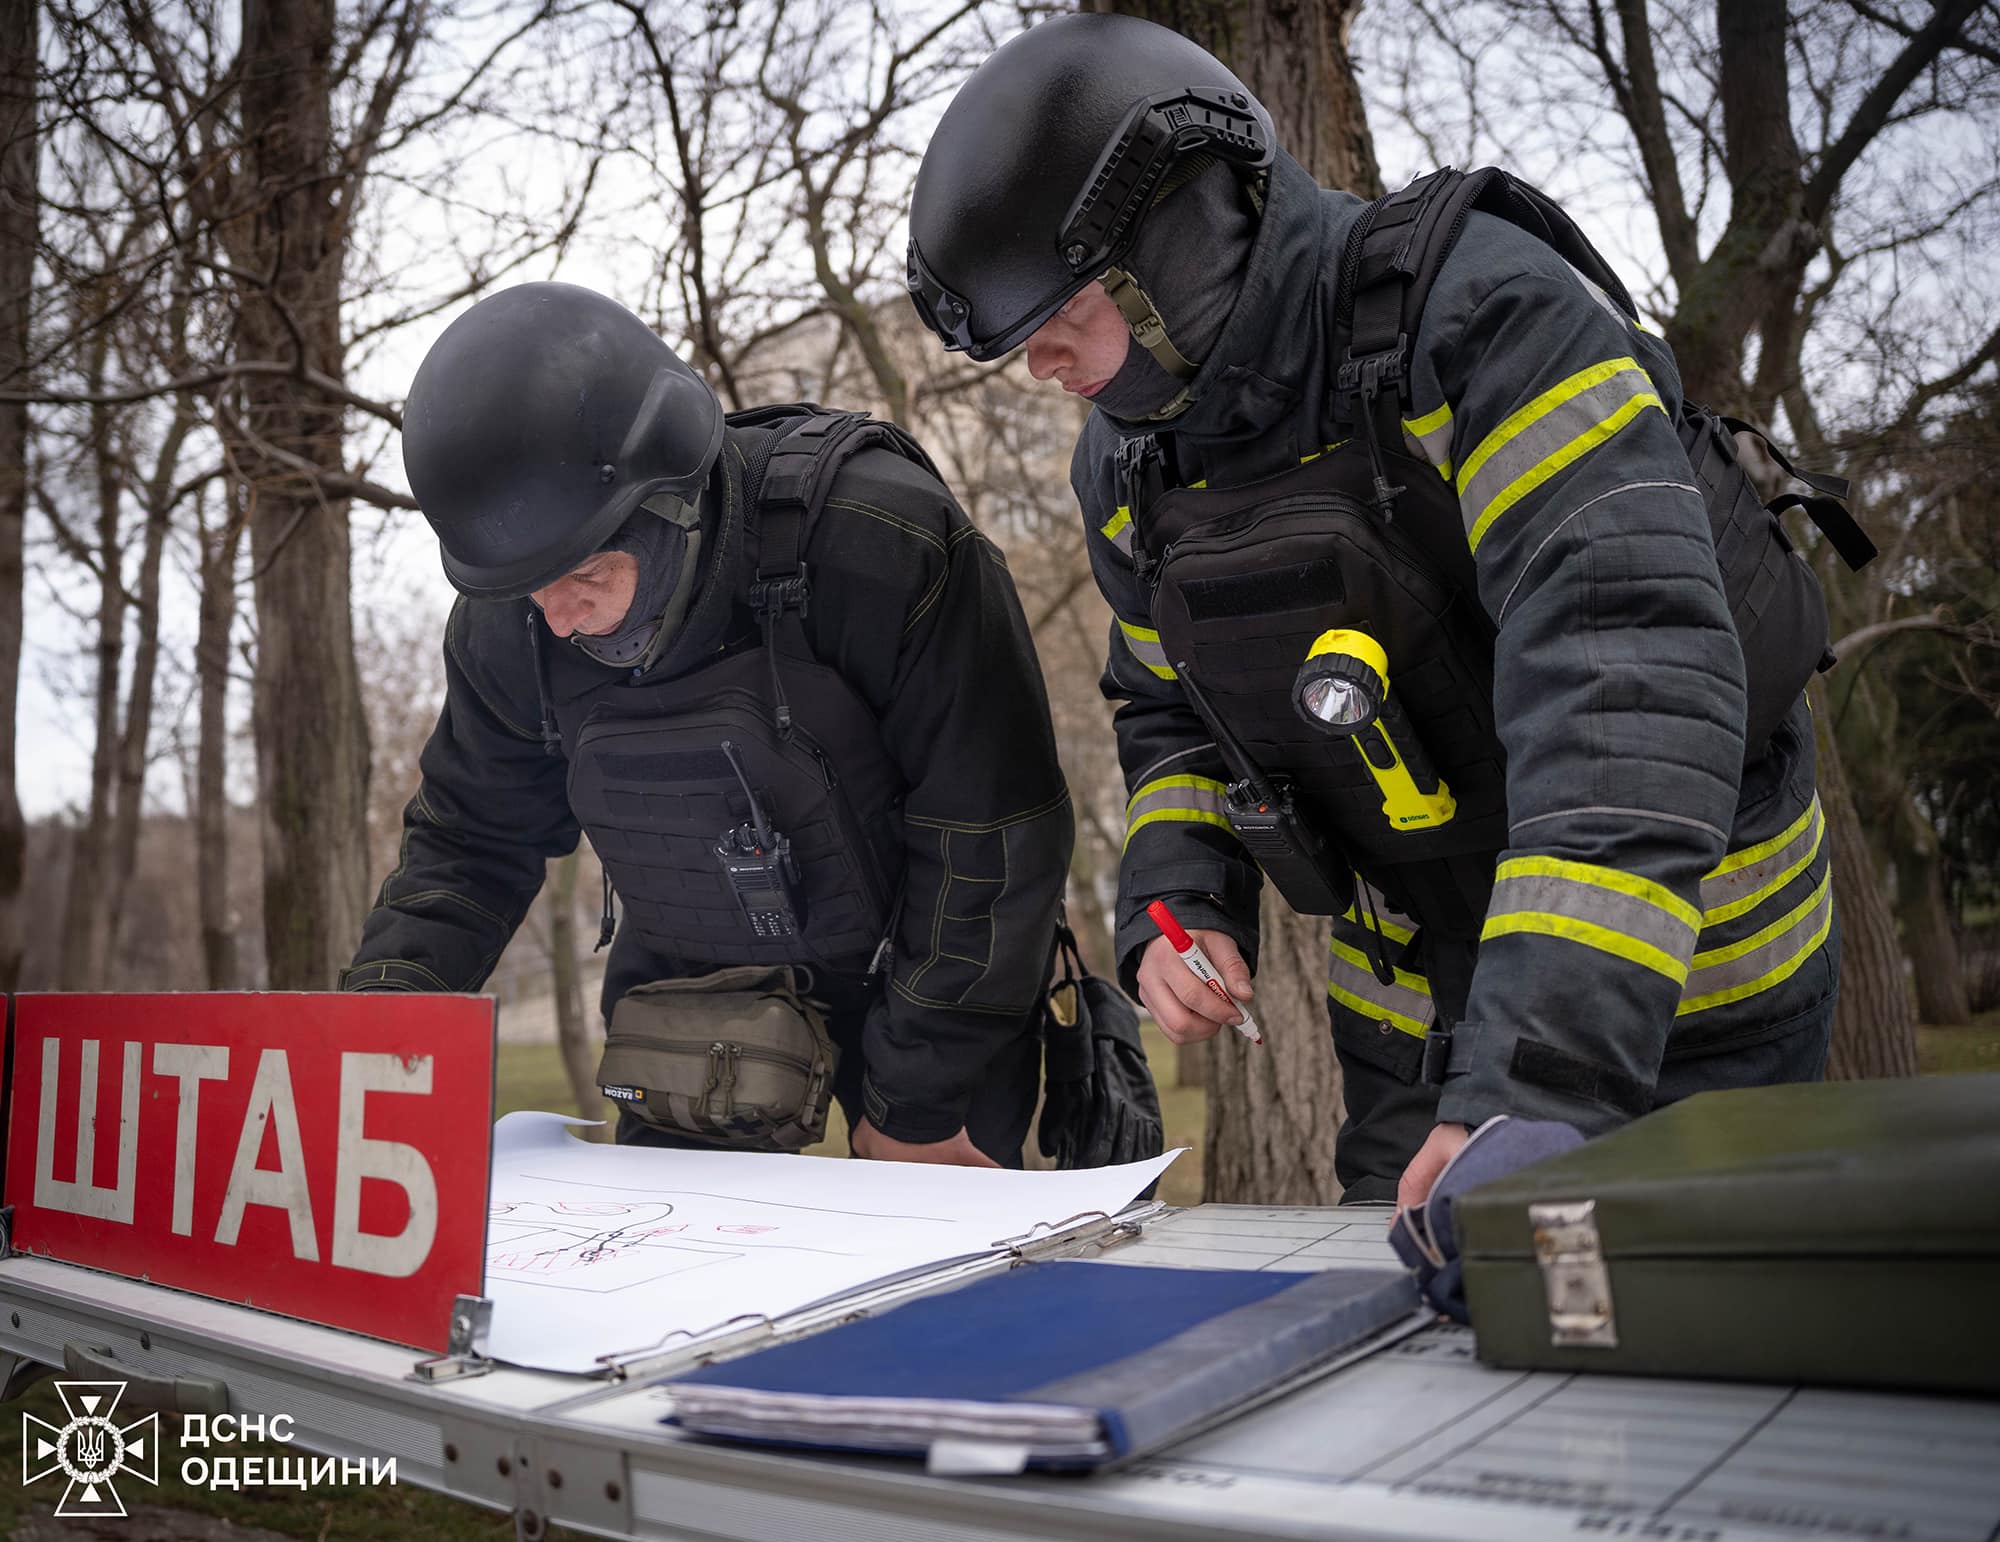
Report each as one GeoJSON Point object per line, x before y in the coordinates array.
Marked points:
{"type": "Point", "coordinates": [1200, 967]}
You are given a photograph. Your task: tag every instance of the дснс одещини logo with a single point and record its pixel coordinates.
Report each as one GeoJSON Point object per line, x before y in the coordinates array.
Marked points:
{"type": "Point", "coordinates": [91, 1449]}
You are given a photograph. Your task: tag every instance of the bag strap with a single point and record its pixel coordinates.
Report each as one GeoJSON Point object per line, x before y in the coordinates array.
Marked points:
{"type": "Point", "coordinates": [1824, 506]}
{"type": "Point", "coordinates": [792, 470]}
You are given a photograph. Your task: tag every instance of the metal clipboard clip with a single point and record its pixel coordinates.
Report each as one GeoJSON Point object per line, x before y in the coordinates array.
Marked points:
{"type": "Point", "coordinates": [1086, 1231]}
{"type": "Point", "coordinates": [697, 1347]}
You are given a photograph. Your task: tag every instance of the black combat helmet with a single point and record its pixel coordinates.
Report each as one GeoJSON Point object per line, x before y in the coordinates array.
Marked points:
{"type": "Point", "coordinates": [1042, 167]}
{"type": "Point", "coordinates": [537, 423]}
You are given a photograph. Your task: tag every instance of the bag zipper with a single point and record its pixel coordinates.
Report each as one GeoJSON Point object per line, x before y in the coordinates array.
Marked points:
{"type": "Point", "coordinates": [741, 1051]}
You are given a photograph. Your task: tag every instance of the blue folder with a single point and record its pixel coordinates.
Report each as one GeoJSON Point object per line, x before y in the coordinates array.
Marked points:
{"type": "Point", "coordinates": [1061, 1364]}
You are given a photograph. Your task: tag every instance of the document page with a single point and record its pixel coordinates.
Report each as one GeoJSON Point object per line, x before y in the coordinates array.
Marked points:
{"type": "Point", "coordinates": [596, 1251]}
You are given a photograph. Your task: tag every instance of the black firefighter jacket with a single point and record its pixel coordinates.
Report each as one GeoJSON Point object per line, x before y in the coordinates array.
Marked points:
{"type": "Point", "coordinates": [916, 611]}
{"type": "Point", "coordinates": [1656, 897]}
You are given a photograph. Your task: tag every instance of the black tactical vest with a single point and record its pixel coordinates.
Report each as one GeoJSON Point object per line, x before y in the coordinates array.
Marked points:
{"type": "Point", "coordinates": [671, 778]}
{"type": "Point", "coordinates": [1243, 580]}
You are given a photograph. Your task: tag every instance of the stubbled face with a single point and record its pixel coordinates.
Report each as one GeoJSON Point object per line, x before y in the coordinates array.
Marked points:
{"type": "Point", "coordinates": [591, 597]}
{"type": "Point", "coordinates": [1082, 345]}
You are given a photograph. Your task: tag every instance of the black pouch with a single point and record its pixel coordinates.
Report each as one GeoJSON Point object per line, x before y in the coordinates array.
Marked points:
{"type": "Point", "coordinates": [1101, 1106]}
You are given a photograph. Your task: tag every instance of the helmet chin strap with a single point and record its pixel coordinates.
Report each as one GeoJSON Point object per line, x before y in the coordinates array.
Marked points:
{"type": "Point", "coordinates": [1142, 317]}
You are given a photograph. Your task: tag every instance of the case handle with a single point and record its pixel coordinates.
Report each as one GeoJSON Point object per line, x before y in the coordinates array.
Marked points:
{"type": "Point", "coordinates": [168, 1394]}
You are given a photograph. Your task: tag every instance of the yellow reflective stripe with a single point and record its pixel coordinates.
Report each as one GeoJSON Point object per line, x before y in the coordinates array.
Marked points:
{"type": "Point", "coordinates": [1184, 816]}
{"type": "Point", "coordinates": [1549, 465]}
{"type": "Point", "coordinates": [1655, 894]}
{"type": "Point", "coordinates": [1406, 1005]}
{"type": "Point", "coordinates": [1313, 455]}
{"type": "Point", "coordinates": [1187, 799]}
{"type": "Point", "coordinates": [1363, 928]}
{"type": "Point", "coordinates": [1766, 959]}
{"type": "Point", "coordinates": [1763, 849]}
{"type": "Point", "coordinates": [1145, 645]}
{"type": "Point", "coordinates": [1757, 872]}
{"type": "Point", "coordinates": [1430, 422]}
{"type": "Point", "coordinates": [1405, 979]}
{"type": "Point", "coordinates": [1118, 530]}
{"type": "Point", "coordinates": [1591, 935]}
{"type": "Point", "coordinates": [1556, 429]}
{"type": "Point", "coordinates": [1196, 791]}
{"type": "Point", "coordinates": [1431, 436]}
{"type": "Point", "coordinates": [1604, 908]}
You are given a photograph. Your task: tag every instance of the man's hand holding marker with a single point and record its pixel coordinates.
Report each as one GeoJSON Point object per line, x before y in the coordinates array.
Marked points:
{"type": "Point", "coordinates": [1192, 983]}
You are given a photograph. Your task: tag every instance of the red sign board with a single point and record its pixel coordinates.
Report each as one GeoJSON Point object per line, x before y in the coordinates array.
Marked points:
{"type": "Point", "coordinates": [324, 1156]}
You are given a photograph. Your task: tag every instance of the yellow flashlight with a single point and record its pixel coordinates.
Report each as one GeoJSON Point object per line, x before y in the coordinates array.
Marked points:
{"type": "Point", "coordinates": [1342, 689]}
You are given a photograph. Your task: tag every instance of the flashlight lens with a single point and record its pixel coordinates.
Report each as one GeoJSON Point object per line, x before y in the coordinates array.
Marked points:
{"type": "Point", "coordinates": [1339, 703]}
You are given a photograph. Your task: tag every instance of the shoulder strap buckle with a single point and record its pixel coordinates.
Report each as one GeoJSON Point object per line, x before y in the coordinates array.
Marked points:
{"type": "Point", "coordinates": [773, 596]}
{"type": "Point", "coordinates": [1141, 466]}
{"type": "Point", "coordinates": [1367, 391]}
{"type": "Point", "coordinates": [1365, 378]}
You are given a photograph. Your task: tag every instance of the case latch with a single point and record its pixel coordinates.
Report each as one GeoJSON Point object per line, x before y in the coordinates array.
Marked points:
{"type": "Point", "coordinates": [1573, 1274]}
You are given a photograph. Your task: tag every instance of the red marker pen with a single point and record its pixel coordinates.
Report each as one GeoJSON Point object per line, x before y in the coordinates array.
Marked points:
{"type": "Point", "coordinates": [1199, 966]}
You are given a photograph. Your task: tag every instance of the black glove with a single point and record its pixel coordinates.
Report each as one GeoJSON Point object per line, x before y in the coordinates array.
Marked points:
{"type": "Point", "coordinates": [1101, 1107]}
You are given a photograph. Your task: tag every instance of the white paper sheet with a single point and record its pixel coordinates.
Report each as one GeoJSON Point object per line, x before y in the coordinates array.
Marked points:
{"type": "Point", "coordinates": [613, 1250]}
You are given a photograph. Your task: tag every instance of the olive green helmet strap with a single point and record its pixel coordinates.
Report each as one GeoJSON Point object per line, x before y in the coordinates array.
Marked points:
{"type": "Point", "coordinates": [685, 512]}
{"type": "Point", "coordinates": [1144, 321]}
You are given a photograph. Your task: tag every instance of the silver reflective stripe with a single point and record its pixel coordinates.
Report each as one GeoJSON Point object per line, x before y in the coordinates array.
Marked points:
{"type": "Point", "coordinates": [1745, 879]}
{"type": "Point", "coordinates": [1145, 645]}
{"type": "Point", "coordinates": [1603, 908]}
{"type": "Point", "coordinates": [1596, 292]}
{"type": "Point", "coordinates": [1556, 429]}
{"type": "Point", "coordinates": [1118, 530]}
{"type": "Point", "coordinates": [1765, 959]}
{"type": "Point", "coordinates": [1405, 1005]}
{"type": "Point", "coordinates": [1189, 799]}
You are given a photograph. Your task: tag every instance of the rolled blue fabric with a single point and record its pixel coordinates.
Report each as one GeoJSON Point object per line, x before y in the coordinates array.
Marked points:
{"type": "Point", "coordinates": [1424, 1237]}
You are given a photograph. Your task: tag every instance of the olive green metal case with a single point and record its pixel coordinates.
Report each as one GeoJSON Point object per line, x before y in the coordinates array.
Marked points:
{"type": "Point", "coordinates": [1835, 1234]}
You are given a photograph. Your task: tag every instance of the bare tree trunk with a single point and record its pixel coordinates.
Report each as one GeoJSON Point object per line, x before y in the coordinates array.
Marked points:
{"type": "Point", "coordinates": [1939, 972]}
{"type": "Point", "coordinates": [86, 906]}
{"type": "Point", "coordinates": [580, 1047]}
{"type": "Point", "coordinates": [1272, 1113]}
{"type": "Point", "coordinates": [312, 736]}
{"type": "Point", "coordinates": [1874, 1029]}
{"type": "Point", "coordinates": [218, 615]}
{"type": "Point", "coordinates": [19, 225]}
{"type": "Point", "coordinates": [1191, 1064]}
{"type": "Point", "coordinates": [138, 731]}
{"type": "Point", "coordinates": [131, 782]}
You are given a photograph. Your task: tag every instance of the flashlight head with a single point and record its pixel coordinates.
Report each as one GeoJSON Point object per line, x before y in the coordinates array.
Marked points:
{"type": "Point", "coordinates": [1335, 702]}
{"type": "Point", "coordinates": [1342, 684]}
